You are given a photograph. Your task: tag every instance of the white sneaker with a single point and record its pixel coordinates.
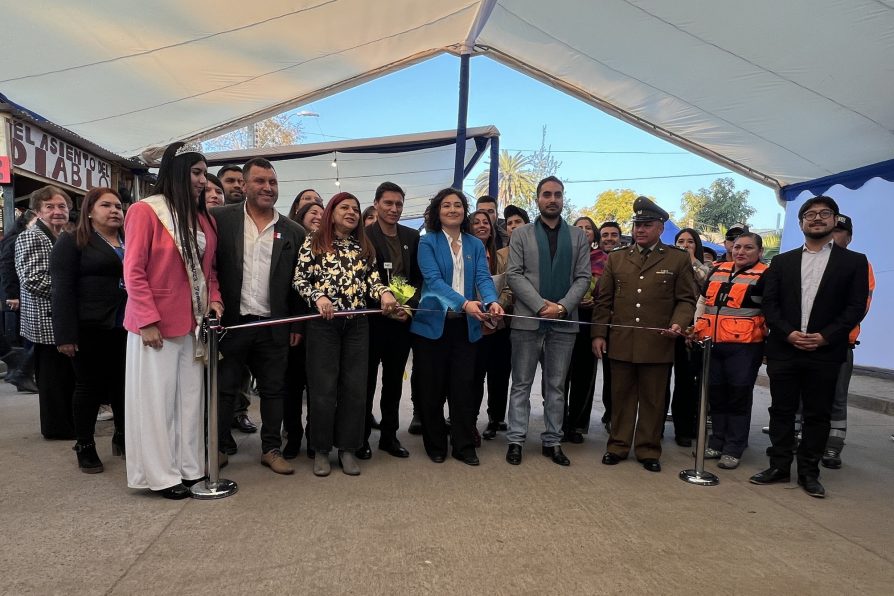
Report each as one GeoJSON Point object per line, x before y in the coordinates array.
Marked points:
{"type": "Point", "coordinates": [728, 462]}
{"type": "Point", "coordinates": [105, 413]}
{"type": "Point", "coordinates": [710, 453]}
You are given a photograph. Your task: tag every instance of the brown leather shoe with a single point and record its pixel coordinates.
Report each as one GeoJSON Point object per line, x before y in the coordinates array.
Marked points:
{"type": "Point", "coordinates": [274, 460]}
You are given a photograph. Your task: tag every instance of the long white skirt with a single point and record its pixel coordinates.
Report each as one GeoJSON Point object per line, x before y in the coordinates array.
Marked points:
{"type": "Point", "coordinates": [164, 413]}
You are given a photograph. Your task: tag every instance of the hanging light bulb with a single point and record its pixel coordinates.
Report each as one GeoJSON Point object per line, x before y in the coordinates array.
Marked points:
{"type": "Point", "coordinates": [337, 182]}
{"type": "Point", "coordinates": [334, 164]}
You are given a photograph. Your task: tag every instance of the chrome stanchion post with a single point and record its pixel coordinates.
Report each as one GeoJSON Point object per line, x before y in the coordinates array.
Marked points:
{"type": "Point", "coordinates": [698, 475]}
{"type": "Point", "coordinates": [214, 487]}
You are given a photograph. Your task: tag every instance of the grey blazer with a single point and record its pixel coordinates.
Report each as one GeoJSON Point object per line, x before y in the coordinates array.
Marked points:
{"type": "Point", "coordinates": [523, 275]}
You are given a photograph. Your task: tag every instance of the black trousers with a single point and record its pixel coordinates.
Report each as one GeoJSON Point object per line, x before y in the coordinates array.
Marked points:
{"type": "Point", "coordinates": [55, 385]}
{"type": "Point", "coordinates": [99, 378]}
{"type": "Point", "coordinates": [444, 369]}
{"type": "Point", "coordinates": [493, 362]}
{"type": "Point", "coordinates": [811, 383]}
{"type": "Point", "coordinates": [267, 360]}
{"type": "Point", "coordinates": [389, 345]}
{"type": "Point", "coordinates": [337, 357]}
{"type": "Point", "coordinates": [580, 384]}
{"type": "Point", "coordinates": [684, 407]}
{"type": "Point", "coordinates": [296, 382]}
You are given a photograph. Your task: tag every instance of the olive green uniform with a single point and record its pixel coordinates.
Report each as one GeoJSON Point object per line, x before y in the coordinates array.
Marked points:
{"type": "Point", "coordinates": [657, 291]}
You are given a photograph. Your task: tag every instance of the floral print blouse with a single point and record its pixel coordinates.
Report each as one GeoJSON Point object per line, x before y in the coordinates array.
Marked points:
{"type": "Point", "coordinates": [342, 275]}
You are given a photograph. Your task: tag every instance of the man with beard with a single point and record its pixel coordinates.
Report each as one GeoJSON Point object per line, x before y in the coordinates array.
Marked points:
{"type": "Point", "coordinates": [814, 296]}
{"type": "Point", "coordinates": [549, 273]}
{"type": "Point", "coordinates": [233, 184]}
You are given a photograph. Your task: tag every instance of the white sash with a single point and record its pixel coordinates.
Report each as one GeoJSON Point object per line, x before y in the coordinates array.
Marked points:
{"type": "Point", "coordinates": [198, 287]}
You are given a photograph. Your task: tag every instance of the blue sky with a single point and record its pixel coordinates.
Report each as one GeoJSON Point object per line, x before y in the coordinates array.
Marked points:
{"type": "Point", "coordinates": [424, 98]}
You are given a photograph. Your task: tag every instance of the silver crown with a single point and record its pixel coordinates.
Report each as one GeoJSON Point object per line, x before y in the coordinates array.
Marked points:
{"type": "Point", "coordinates": [183, 150]}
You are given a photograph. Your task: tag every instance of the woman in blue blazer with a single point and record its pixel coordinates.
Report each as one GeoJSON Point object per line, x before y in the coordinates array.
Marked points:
{"type": "Point", "coordinates": [457, 295]}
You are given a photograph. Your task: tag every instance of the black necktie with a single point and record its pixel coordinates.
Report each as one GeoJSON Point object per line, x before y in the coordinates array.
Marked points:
{"type": "Point", "coordinates": [645, 254]}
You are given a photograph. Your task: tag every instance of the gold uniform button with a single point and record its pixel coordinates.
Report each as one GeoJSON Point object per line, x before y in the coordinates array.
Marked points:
{"type": "Point", "coordinates": [637, 304]}
{"type": "Point", "coordinates": [639, 290]}
{"type": "Point", "coordinates": [637, 319]}
{"type": "Point", "coordinates": [641, 277]}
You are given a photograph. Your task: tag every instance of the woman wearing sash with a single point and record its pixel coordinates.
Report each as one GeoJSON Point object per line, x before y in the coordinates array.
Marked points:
{"type": "Point", "coordinates": [171, 284]}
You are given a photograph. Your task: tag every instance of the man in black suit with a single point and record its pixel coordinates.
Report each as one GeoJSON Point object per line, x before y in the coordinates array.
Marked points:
{"type": "Point", "coordinates": [814, 295]}
{"type": "Point", "coordinates": [389, 338]}
{"type": "Point", "coordinates": [257, 252]}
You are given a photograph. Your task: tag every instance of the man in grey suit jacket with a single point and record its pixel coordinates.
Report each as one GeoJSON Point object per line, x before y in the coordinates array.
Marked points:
{"type": "Point", "coordinates": [549, 273]}
{"type": "Point", "coordinates": [257, 252]}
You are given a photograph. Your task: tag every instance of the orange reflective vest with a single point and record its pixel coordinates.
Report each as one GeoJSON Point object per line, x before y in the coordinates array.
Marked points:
{"type": "Point", "coordinates": [855, 332]}
{"type": "Point", "coordinates": [732, 313]}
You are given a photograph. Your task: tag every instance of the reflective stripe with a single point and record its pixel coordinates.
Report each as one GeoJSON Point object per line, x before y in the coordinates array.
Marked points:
{"type": "Point", "coordinates": [739, 312]}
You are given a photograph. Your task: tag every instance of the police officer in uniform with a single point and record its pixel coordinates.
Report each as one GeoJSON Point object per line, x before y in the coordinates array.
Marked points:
{"type": "Point", "coordinates": [647, 284]}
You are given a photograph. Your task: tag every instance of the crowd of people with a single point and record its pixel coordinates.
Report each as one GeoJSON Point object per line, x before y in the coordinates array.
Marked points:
{"type": "Point", "coordinates": [111, 307]}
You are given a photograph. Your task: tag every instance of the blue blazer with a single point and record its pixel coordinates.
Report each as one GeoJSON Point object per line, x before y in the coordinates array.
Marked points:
{"type": "Point", "coordinates": [436, 263]}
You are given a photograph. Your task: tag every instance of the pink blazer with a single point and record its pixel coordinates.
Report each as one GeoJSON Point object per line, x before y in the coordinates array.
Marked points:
{"type": "Point", "coordinates": [155, 276]}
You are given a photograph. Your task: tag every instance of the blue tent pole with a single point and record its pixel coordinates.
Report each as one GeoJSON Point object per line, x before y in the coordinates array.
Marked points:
{"type": "Point", "coordinates": [493, 184]}
{"type": "Point", "coordinates": [462, 115]}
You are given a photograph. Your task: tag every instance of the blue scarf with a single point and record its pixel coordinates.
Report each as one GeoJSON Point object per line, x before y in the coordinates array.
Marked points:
{"type": "Point", "coordinates": [555, 274]}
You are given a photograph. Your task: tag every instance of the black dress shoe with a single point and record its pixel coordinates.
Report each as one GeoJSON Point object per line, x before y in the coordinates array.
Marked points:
{"type": "Point", "coordinates": [394, 448]}
{"type": "Point", "coordinates": [189, 483]}
{"type": "Point", "coordinates": [469, 459]}
{"type": "Point", "coordinates": [652, 465]}
{"type": "Point", "coordinates": [683, 441]}
{"type": "Point", "coordinates": [555, 454]}
{"type": "Point", "coordinates": [502, 427]}
{"type": "Point", "coordinates": [490, 432]}
{"type": "Point", "coordinates": [611, 459]}
{"type": "Point", "coordinates": [364, 452]}
{"type": "Point", "coordinates": [437, 458]}
{"type": "Point", "coordinates": [514, 454]}
{"type": "Point", "coordinates": [26, 386]}
{"type": "Point", "coordinates": [831, 459]}
{"type": "Point", "coordinates": [573, 437]}
{"type": "Point", "coordinates": [176, 492]}
{"type": "Point", "coordinates": [243, 423]}
{"type": "Point", "coordinates": [771, 476]}
{"type": "Point", "coordinates": [292, 449]}
{"type": "Point", "coordinates": [415, 427]}
{"type": "Point", "coordinates": [812, 487]}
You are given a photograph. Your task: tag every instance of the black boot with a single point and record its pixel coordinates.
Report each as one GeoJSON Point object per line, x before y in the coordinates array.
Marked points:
{"type": "Point", "coordinates": [88, 460]}
{"type": "Point", "coordinates": [118, 444]}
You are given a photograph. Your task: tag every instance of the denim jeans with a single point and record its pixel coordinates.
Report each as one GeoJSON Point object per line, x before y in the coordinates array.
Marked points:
{"type": "Point", "coordinates": [337, 356]}
{"type": "Point", "coordinates": [553, 350]}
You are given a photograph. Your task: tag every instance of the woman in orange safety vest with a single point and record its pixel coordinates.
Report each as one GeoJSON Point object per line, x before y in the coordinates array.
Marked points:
{"type": "Point", "coordinates": [729, 312]}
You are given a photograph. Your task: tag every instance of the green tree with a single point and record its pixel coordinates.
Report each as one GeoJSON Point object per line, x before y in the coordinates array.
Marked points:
{"type": "Point", "coordinates": [517, 181]}
{"type": "Point", "coordinates": [718, 205]}
{"type": "Point", "coordinates": [613, 205]}
{"type": "Point", "coordinates": [277, 131]}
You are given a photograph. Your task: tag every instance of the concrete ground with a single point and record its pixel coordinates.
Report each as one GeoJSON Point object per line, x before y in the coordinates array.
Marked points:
{"type": "Point", "coordinates": [415, 527]}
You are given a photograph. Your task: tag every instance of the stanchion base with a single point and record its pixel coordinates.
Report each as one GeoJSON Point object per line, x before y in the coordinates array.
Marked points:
{"type": "Point", "coordinates": [206, 490]}
{"type": "Point", "coordinates": [702, 479]}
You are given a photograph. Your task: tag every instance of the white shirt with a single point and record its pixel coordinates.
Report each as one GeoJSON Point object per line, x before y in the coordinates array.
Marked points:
{"type": "Point", "coordinates": [813, 265]}
{"type": "Point", "coordinates": [256, 256]}
{"type": "Point", "coordinates": [459, 281]}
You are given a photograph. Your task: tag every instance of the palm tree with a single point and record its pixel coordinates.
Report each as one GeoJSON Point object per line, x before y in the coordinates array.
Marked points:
{"type": "Point", "coordinates": [517, 181]}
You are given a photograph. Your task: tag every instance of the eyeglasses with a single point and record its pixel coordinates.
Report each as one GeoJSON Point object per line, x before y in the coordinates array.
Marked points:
{"type": "Point", "coordinates": [822, 214]}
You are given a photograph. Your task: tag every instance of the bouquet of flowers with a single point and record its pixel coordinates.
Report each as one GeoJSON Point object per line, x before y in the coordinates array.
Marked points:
{"type": "Point", "coordinates": [402, 291]}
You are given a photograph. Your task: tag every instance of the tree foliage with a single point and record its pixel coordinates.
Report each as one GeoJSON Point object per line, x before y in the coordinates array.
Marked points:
{"type": "Point", "coordinates": [273, 132]}
{"type": "Point", "coordinates": [517, 181]}
{"type": "Point", "coordinates": [718, 205]}
{"type": "Point", "coordinates": [613, 205]}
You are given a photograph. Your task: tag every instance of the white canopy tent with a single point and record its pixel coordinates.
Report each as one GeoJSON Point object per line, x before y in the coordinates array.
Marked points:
{"type": "Point", "coordinates": [779, 91]}
{"type": "Point", "coordinates": [421, 163]}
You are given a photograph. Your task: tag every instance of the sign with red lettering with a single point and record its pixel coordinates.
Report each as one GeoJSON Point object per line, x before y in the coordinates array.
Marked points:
{"type": "Point", "coordinates": [5, 172]}
{"type": "Point", "coordinates": [43, 154]}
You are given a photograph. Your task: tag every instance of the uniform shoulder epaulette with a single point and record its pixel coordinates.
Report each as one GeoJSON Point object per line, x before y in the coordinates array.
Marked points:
{"type": "Point", "coordinates": [677, 247]}
{"type": "Point", "coordinates": [617, 248]}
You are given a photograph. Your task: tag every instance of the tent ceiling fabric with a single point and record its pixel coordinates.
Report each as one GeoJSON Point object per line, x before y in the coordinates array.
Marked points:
{"type": "Point", "coordinates": [410, 161]}
{"type": "Point", "coordinates": [784, 91]}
